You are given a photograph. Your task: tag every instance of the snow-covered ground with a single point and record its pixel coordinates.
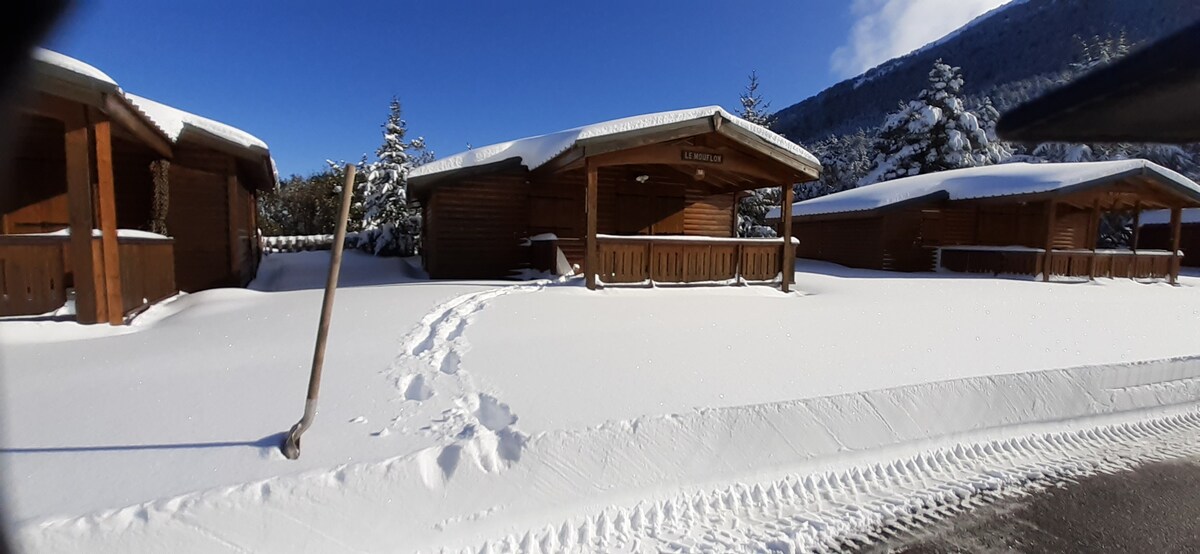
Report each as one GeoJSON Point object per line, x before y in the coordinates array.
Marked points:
{"type": "Point", "coordinates": [538, 416]}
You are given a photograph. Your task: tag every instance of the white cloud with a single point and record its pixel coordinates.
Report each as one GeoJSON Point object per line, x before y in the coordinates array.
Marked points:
{"type": "Point", "coordinates": [884, 29]}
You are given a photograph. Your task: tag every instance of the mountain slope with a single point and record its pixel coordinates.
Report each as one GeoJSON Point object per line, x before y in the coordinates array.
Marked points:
{"type": "Point", "coordinates": [1013, 52]}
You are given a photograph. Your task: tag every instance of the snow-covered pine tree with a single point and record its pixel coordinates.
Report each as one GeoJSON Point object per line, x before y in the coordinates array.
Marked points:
{"type": "Point", "coordinates": [995, 150]}
{"type": "Point", "coordinates": [390, 226]}
{"type": "Point", "coordinates": [754, 107]}
{"type": "Point", "coordinates": [935, 132]}
{"type": "Point", "coordinates": [754, 205]}
{"type": "Point", "coordinates": [845, 160]}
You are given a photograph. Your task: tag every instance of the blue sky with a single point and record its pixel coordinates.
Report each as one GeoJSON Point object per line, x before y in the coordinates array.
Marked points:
{"type": "Point", "coordinates": [313, 79]}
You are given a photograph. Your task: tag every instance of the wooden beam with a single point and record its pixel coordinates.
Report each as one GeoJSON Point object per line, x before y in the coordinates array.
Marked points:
{"type": "Point", "coordinates": [1051, 208]}
{"type": "Point", "coordinates": [789, 252]}
{"type": "Point", "coordinates": [88, 289]}
{"type": "Point", "coordinates": [231, 194]}
{"type": "Point", "coordinates": [109, 245]}
{"type": "Point", "coordinates": [123, 113]}
{"type": "Point", "coordinates": [589, 240]}
{"type": "Point", "coordinates": [1137, 226]}
{"type": "Point", "coordinates": [1094, 237]}
{"type": "Point", "coordinates": [1176, 228]}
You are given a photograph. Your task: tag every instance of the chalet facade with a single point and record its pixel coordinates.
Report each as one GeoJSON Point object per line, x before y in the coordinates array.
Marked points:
{"type": "Point", "coordinates": [121, 199]}
{"type": "Point", "coordinates": [650, 198]}
{"type": "Point", "coordinates": [1033, 219]}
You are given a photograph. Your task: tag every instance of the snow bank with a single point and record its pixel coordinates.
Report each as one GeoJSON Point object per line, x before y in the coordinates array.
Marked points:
{"type": "Point", "coordinates": [491, 415]}
{"type": "Point", "coordinates": [980, 182]}
{"type": "Point", "coordinates": [615, 484]}
{"type": "Point", "coordinates": [535, 151]}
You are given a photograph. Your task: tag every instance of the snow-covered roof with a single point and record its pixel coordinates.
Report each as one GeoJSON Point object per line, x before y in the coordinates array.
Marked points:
{"type": "Point", "coordinates": [535, 151]}
{"type": "Point", "coordinates": [72, 65]}
{"type": "Point", "coordinates": [1163, 217]}
{"type": "Point", "coordinates": [982, 182]}
{"type": "Point", "coordinates": [173, 121]}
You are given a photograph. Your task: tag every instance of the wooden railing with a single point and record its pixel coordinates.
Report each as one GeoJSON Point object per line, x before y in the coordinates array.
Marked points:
{"type": "Point", "coordinates": [35, 272]}
{"type": "Point", "coordinates": [1140, 264]}
{"type": "Point", "coordinates": [678, 259]}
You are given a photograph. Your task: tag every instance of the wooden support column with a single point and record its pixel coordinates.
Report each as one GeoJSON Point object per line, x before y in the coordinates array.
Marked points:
{"type": "Point", "coordinates": [1051, 208]}
{"type": "Point", "coordinates": [1137, 226]}
{"type": "Point", "coordinates": [89, 296]}
{"type": "Point", "coordinates": [231, 200]}
{"type": "Point", "coordinates": [1176, 225]}
{"type": "Point", "coordinates": [109, 244]}
{"type": "Point", "coordinates": [1094, 237]}
{"type": "Point", "coordinates": [589, 239]}
{"type": "Point", "coordinates": [789, 251]}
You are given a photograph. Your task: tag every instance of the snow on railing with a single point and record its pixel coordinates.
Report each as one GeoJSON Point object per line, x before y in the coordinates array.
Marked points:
{"type": "Point", "coordinates": [302, 243]}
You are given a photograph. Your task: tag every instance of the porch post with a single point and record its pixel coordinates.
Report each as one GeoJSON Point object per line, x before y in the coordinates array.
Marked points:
{"type": "Point", "coordinates": [231, 192]}
{"type": "Point", "coordinates": [1095, 237]}
{"type": "Point", "coordinates": [1176, 223]}
{"type": "Point", "coordinates": [89, 287]}
{"type": "Point", "coordinates": [109, 244]}
{"type": "Point", "coordinates": [589, 239]}
{"type": "Point", "coordinates": [1051, 207]}
{"type": "Point", "coordinates": [789, 251]}
{"type": "Point", "coordinates": [1137, 226]}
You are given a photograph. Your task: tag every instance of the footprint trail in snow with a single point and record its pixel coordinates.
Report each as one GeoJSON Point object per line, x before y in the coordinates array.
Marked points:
{"type": "Point", "coordinates": [440, 399]}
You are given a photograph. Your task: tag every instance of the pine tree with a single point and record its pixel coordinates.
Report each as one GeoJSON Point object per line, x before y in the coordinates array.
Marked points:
{"type": "Point", "coordinates": [845, 160]}
{"type": "Point", "coordinates": [753, 207]}
{"type": "Point", "coordinates": [754, 107]}
{"type": "Point", "coordinates": [935, 132]}
{"type": "Point", "coordinates": [390, 225]}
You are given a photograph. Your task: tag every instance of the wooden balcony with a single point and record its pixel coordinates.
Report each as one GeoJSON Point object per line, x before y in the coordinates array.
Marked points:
{"type": "Point", "coordinates": [689, 259]}
{"type": "Point", "coordinates": [35, 272]}
{"type": "Point", "coordinates": [1133, 264]}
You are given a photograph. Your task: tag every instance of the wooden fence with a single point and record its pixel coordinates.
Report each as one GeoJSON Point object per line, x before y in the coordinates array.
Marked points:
{"type": "Point", "coordinates": [668, 259]}
{"type": "Point", "coordinates": [35, 272]}
{"type": "Point", "coordinates": [1140, 264]}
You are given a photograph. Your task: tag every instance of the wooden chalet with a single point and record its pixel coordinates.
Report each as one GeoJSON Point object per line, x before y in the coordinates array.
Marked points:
{"type": "Point", "coordinates": [1156, 233]}
{"type": "Point", "coordinates": [1032, 219]}
{"type": "Point", "coordinates": [122, 200]}
{"type": "Point", "coordinates": [644, 199]}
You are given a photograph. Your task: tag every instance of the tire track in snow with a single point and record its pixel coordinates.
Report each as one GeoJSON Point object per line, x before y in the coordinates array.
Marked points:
{"type": "Point", "coordinates": [472, 422]}
{"type": "Point", "coordinates": [864, 505]}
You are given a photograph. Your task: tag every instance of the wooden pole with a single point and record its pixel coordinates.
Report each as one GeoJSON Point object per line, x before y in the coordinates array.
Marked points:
{"type": "Point", "coordinates": [79, 201]}
{"type": "Point", "coordinates": [1051, 207]}
{"type": "Point", "coordinates": [1137, 226]}
{"type": "Point", "coordinates": [1176, 228]}
{"type": "Point", "coordinates": [589, 239]}
{"type": "Point", "coordinates": [235, 245]}
{"type": "Point", "coordinates": [291, 446]}
{"type": "Point", "coordinates": [789, 251]}
{"type": "Point", "coordinates": [109, 242]}
{"type": "Point", "coordinates": [1094, 237]}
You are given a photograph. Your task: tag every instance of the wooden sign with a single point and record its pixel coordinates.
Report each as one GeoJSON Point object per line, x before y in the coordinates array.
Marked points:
{"type": "Point", "coordinates": [704, 157]}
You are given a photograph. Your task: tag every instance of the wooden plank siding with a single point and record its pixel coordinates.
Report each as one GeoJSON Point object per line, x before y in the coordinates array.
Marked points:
{"type": "Point", "coordinates": [849, 242]}
{"type": "Point", "coordinates": [474, 228]}
{"type": "Point", "coordinates": [198, 221]}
